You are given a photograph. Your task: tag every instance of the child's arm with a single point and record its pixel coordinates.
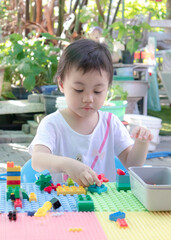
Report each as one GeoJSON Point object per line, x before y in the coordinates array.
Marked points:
{"type": "Point", "coordinates": [136, 155]}
{"type": "Point", "coordinates": [42, 159]}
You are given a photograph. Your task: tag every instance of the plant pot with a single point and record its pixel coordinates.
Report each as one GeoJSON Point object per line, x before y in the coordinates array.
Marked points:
{"type": "Point", "coordinates": [48, 89]}
{"type": "Point", "coordinates": [50, 102]}
{"type": "Point", "coordinates": [127, 57]}
{"type": "Point", "coordinates": [117, 107]}
{"type": "Point", "coordinates": [20, 92]}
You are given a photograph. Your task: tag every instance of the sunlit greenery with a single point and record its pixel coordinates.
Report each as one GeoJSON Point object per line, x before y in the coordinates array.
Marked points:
{"type": "Point", "coordinates": [164, 114]}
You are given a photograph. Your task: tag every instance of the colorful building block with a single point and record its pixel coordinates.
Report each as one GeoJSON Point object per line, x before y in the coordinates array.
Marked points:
{"type": "Point", "coordinates": [12, 215]}
{"type": "Point", "coordinates": [13, 174]}
{"type": "Point", "coordinates": [43, 210]}
{"type": "Point", "coordinates": [43, 181]}
{"type": "Point", "coordinates": [116, 215]}
{"type": "Point", "coordinates": [12, 178]}
{"type": "Point", "coordinates": [23, 194]}
{"type": "Point", "coordinates": [123, 181]}
{"type": "Point", "coordinates": [44, 172]}
{"type": "Point", "coordinates": [18, 203]}
{"type": "Point", "coordinates": [95, 188]}
{"type": "Point", "coordinates": [70, 182]}
{"type": "Point", "coordinates": [32, 197]}
{"type": "Point", "coordinates": [55, 203]}
{"type": "Point", "coordinates": [70, 190]}
{"type": "Point", "coordinates": [10, 164]}
{"type": "Point", "coordinates": [85, 204]}
{"type": "Point", "coordinates": [14, 169]}
{"type": "Point", "coordinates": [54, 187]}
{"type": "Point", "coordinates": [12, 197]}
{"type": "Point", "coordinates": [30, 213]}
{"type": "Point", "coordinates": [102, 178]}
{"type": "Point", "coordinates": [48, 189]}
{"type": "Point", "coordinates": [120, 172]}
{"type": "Point", "coordinates": [122, 223]}
{"type": "Point", "coordinates": [75, 230]}
{"type": "Point", "coordinates": [13, 182]}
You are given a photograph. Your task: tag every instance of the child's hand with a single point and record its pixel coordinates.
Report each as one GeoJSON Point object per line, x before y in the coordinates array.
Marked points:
{"type": "Point", "coordinates": [82, 174]}
{"type": "Point", "coordinates": [142, 133]}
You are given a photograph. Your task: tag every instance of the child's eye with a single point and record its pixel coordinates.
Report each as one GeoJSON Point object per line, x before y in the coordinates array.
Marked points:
{"type": "Point", "coordinates": [97, 92]}
{"type": "Point", "coordinates": [79, 91]}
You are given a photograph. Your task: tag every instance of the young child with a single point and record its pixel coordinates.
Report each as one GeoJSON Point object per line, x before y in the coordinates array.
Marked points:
{"type": "Point", "coordinates": [81, 141]}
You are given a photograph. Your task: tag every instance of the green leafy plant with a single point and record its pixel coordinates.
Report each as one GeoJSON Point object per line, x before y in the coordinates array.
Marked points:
{"type": "Point", "coordinates": [115, 92]}
{"type": "Point", "coordinates": [28, 62]}
{"type": "Point", "coordinates": [130, 35]}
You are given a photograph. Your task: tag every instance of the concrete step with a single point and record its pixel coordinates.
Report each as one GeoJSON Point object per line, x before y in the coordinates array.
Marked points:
{"type": "Point", "coordinates": [33, 127]}
{"type": "Point", "coordinates": [20, 106]}
{"type": "Point", "coordinates": [15, 137]}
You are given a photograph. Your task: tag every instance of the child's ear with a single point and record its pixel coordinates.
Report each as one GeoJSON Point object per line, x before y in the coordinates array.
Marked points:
{"type": "Point", "coordinates": [61, 85]}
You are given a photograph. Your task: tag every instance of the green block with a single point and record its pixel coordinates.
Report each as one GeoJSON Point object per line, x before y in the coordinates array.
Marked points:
{"type": "Point", "coordinates": [17, 192]}
{"type": "Point", "coordinates": [24, 194]}
{"type": "Point", "coordinates": [123, 186]}
{"type": "Point", "coordinates": [114, 201]}
{"type": "Point", "coordinates": [122, 179]}
{"type": "Point", "coordinates": [70, 182]}
{"type": "Point", "coordinates": [13, 186]}
{"type": "Point", "coordinates": [85, 204]}
{"type": "Point", "coordinates": [43, 181]}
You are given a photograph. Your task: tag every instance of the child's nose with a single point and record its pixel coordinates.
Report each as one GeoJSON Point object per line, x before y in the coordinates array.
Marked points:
{"type": "Point", "coordinates": [88, 98]}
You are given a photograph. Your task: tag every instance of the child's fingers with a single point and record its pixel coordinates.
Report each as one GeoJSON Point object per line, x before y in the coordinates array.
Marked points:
{"type": "Point", "coordinates": [135, 132]}
{"type": "Point", "coordinates": [142, 133]}
{"type": "Point", "coordinates": [87, 180]}
{"type": "Point", "coordinates": [96, 180]}
{"type": "Point", "coordinates": [80, 183]}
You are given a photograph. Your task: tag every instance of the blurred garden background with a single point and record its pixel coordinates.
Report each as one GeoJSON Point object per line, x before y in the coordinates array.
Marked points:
{"type": "Point", "coordinates": [33, 34]}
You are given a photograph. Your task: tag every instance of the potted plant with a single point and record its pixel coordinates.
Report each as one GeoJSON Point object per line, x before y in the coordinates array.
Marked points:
{"type": "Point", "coordinates": [115, 101]}
{"type": "Point", "coordinates": [130, 35]}
{"type": "Point", "coordinates": [28, 63]}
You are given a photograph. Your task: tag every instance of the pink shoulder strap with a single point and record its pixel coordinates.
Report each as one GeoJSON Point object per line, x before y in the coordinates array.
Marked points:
{"type": "Point", "coordinates": [104, 140]}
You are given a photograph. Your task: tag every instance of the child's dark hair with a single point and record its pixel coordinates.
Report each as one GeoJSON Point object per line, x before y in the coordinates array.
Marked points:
{"type": "Point", "coordinates": [86, 55]}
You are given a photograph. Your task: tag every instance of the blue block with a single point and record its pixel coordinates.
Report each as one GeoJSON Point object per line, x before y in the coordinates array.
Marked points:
{"type": "Point", "coordinates": [13, 174]}
{"type": "Point", "coordinates": [95, 188]}
{"type": "Point", "coordinates": [116, 215]}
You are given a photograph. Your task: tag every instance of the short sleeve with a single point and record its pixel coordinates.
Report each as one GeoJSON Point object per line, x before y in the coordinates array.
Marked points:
{"type": "Point", "coordinates": [46, 135]}
{"type": "Point", "coordinates": [122, 138]}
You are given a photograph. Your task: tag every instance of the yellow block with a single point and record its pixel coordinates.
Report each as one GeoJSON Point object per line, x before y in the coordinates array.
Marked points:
{"type": "Point", "coordinates": [70, 190]}
{"type": "Point", "coordinates": [75, 230]}
{"type": "Point", "coordinates": [32, 197]}
{"type": "Point", "coordinates": [14, 178]}
{"type": "Point", "coordinates": [141, 226]}
{"type": "Point", "coordinates": [41, 212]}
{"type": "Point", "coordinates": [14, 169]}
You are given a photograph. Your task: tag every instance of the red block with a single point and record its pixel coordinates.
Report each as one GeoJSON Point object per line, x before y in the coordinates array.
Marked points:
{"type": "Point", "coordinates": [48, 189]}
{"type": "Point", "coordinates": [18, 203]}
{"type": "Point", "coordinates": [13, 182]}
{"type": "Point", "coordinates": [120, 172]}
{"type": "Point", "coordinates": [102, 178]}
{"type": "Point", "coordinates": [54, 187]}
{"type": "Point", "coordinates": [122, 223]}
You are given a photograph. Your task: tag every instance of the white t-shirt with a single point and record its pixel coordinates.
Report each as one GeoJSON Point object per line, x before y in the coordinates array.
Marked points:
{"type": "Point", "coordinates": [55, 133]}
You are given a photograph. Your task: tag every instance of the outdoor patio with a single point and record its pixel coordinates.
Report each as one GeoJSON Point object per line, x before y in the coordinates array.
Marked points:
{"type": "Point", "coordinates": [33, 36]}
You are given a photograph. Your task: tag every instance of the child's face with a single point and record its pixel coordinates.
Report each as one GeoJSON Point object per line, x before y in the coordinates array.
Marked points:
{"type": "Point", "coordinates": [85, 93]}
